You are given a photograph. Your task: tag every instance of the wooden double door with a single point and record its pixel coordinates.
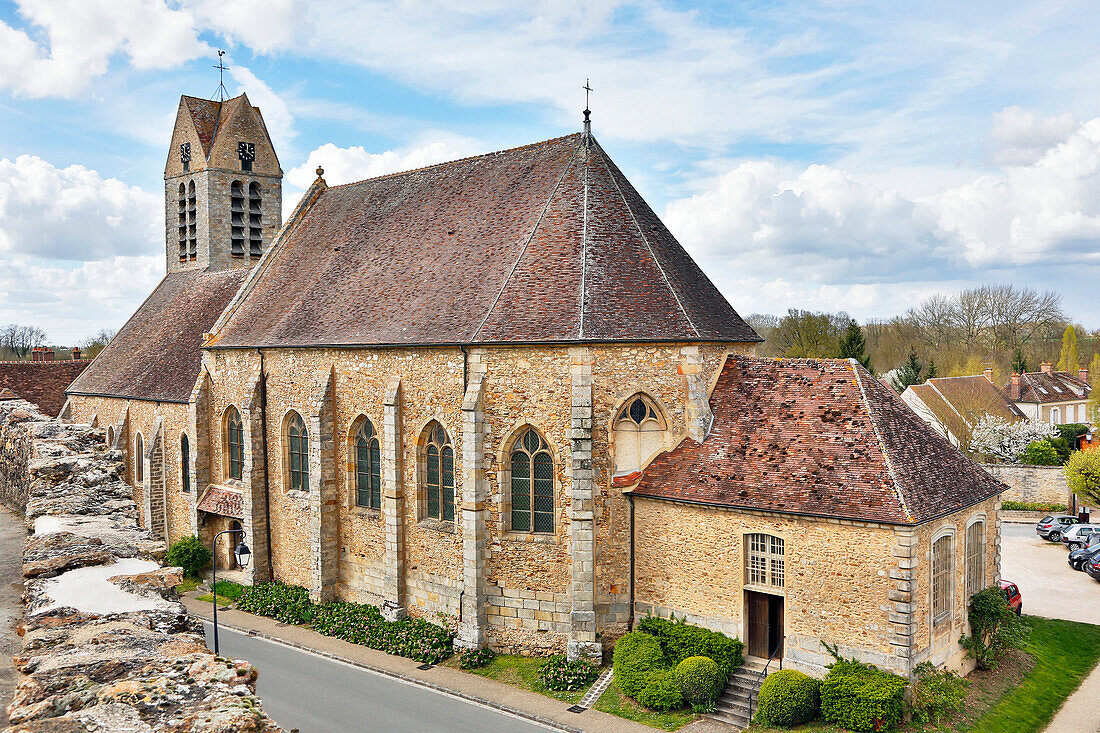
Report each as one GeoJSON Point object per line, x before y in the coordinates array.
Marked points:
{"type": "Point", "coordinates": [764, 614]}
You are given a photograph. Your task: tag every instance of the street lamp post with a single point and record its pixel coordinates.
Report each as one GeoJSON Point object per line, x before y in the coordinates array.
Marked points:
{"type": "Point", "coordinates": [243, 555]}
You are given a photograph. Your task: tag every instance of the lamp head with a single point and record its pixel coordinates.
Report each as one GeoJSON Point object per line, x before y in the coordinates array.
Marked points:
{"type": "Point", "coordinates": [243, 554]}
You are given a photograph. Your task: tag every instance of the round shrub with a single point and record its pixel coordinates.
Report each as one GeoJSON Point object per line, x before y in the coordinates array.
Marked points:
{"type": "Point", "coordinates": [636, 655]}
{"type": "Point", "coordinates": [787, 698]}
{"type": "Point", "coordinates": [700, 681]}
{"type": "Point", "coordinates": [190, 554]}
{"type": "Point", "coordinates": [662, 691]}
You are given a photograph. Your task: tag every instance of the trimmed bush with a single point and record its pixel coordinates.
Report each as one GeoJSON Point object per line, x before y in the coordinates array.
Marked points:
{"type": "Point", "coordinates": [362, 624]}
{"type": "Point", "coordinates": [474, 658]}
{"type": "Point", "coordinates": [862, 697]}
{"type": "Point", "coordinates": [561, 675]}
{"type": "Point", "coordinates": [190, 554]}
{"type": "Point", "coordinates": [662, 691]}
{"type": "Point", "coordinates": [637, 654]}
{"type": "Point", "coordinates": [936, 693]}
{"type": "Point", "coordinates": [788, 698]}
{"type": "Point", "coordinates": [1031, 506]}
{"type": "Point", "coordinates": [1040, 453]}
{"type": "Point", "coordinates": [700, 681]}
{"type": "Point", "coordinates": [289, 604]}
{"type": "Point", "coordinates": [680, 640]}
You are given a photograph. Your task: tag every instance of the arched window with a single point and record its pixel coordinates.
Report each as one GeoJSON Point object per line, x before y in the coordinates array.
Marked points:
{"type": "Point", "coordinates": [110, 435]}
{"type": "Point", "coordinates": [182, 213]}
{"type": "Point", "coordinates": [139, 459]}
{"type": "Point", "coordinates": [943, 557]}
{"type": "Point", "coordinates": [532, 469]}
{"type": "Point", "coordinates": [234, 442]}
{"type": "Point", "coordinates": [765, 561]}
{"type": "Point", "coordinates": [439, 474]}
{"type": "Point", "coordinates": [297, 441]}
{"type": "Point", "coordinates": [975, 558]}
{"type": "Point", "coordinates": [255, 230]}
{"type": "Point", "coordinates": [185, 464]}
{"type": "Point", "coordinates": [236, 221]}
{"type": "Point", "coordinates": [368, 467]}
{"type": "Point", "coordinates": [192, 222]}
{"type": "Point", "coordinates": [639, 434]}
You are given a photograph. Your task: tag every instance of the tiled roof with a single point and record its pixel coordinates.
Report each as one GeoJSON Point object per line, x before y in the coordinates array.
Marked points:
{"type": "Point", "coordinates": [40, 382]}
{"type": "Point", "coordinates": [958, 402]}
{"type": "Point", "coordinates": [156, 355]}
{"type": "Point", "coordinates": [223, 501]}
{"type": "Point", "coordinates": [821, 438]}
{"type": "Point", "coordinates": [492, 249]}
{"type": "Point", "coordinates": [205, 114]}
{"type": "Point", "coordinates": [1044, 387]}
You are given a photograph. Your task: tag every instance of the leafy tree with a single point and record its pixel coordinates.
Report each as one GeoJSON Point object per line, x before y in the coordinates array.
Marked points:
{"type": "Point", "coordinates": [1039, 453]}
{"type": "Point", "coordinates": [998, 438]}
{"type": "Point", "coordinates": [909, 373]}
{"type": "Point", "coordinates": [994, 628]}
{"type": "Point", "coordinates": [1094, 379]}
{"type": "Point", "coordinates": [1067, 362]}
{"type": "Point", "coordinates": [854, 346]}
{"type": "Point", "coordinates": [805, 334]}
{"type": "Point", "coordinates": [1083, 476]}
{"type": "Point", "coordinates": [1019, 364]}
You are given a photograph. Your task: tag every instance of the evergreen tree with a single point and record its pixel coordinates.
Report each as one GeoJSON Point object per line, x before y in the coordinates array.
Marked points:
{"type": "Point", "coordinates": [1067, 362]}
{"type": "Point", "coordinates": [854, 346]}
{"type": "Point", "coordinates": [931, 373]}
{"type": "Point", "coordinates": [909, 373]}
{"type": "Point", "coordinates": [1019, 364]}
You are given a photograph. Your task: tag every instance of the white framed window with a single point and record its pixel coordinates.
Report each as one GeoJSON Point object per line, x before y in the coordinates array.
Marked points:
{"type": "Point", "coordinates": [765, 561]}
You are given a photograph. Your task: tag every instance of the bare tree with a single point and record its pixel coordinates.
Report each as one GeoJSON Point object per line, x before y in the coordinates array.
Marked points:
{"type": "Point", "coordinates": [19, 340]}
{"type": "Point", "coordinates": [92, 345]}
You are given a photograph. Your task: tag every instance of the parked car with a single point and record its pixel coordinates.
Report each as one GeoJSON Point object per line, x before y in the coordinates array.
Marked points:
{"type": "Point", "coordinates": [1092, 567]}
{"type": "Point", "coordinates": [1078, 558]}
{"type": "Point", "coordinates": [1077, 536]}
{"type": "Point", "coordinates": [1012, 595]}
{"type": "Point", "coordinates": [1051, 527]}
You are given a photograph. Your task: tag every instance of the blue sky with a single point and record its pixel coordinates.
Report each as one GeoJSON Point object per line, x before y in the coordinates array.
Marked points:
{"type": "Point", "coordinates": [826, 155]}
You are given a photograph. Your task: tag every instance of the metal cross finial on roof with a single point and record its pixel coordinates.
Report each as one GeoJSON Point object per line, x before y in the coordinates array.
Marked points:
{"type": "Point", "coordinates": [221, 92]}
{"type": "Point", "coordinates": [587, 112]}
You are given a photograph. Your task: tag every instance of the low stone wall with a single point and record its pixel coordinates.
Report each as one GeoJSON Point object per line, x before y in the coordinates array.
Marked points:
{"type": "Point", "coordinates": [15, 451]}
{"type": "Point", "coordinates": [106, 644]}
{"type": "Point", "coordinates": [1039, 484]}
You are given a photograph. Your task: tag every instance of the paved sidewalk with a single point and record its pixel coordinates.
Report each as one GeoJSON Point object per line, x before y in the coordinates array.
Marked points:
{"type": "Point", "coordinates": [1078, 713]}
{"type": "Point", "coordinates": [495, 694]}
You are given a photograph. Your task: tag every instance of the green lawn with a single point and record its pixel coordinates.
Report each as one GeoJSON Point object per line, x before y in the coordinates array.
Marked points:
{"type": "Point", "coordinates": [188, 585]}
{"type": "Point", "coordinates": [522, 672]}
{"type": "Point", "coordinates": [209, 598]}
{"type": "Point", "coordinates": [616, 703]}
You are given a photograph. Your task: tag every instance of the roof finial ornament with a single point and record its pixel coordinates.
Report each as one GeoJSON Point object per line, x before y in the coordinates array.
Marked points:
{"type": "Point", "coordinates": [320, 172]}
{"type": "Point", "coordinates": [221, 92]}
{"type": "Point", "coordinates": [587, 112]}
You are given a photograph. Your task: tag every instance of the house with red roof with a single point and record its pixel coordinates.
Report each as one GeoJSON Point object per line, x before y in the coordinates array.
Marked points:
{"type": "Point", "coordinates": [1050, 396]}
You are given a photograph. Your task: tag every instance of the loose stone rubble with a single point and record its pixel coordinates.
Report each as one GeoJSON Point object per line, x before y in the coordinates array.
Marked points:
{"type": "Point", "coordinates": [110, 670]}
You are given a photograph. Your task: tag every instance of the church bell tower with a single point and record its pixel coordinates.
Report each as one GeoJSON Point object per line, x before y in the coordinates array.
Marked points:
{"type": "Point", "coordinates": [222, 186]}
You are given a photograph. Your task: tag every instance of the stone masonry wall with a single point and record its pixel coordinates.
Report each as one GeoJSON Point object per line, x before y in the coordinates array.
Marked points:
{"type": "Point", "coordinates": [15, 451]}
{"type": "Point", "coordinates": [1039, 484]}
{"type": "Point", "coordinates": [93, 662]}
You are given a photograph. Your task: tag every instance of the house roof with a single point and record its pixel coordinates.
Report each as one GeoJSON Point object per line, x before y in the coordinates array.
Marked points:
{"type": "Point", "coordinates": [821, 438]}
{"type": "Point", "coordinates": [1042, 387]}
{"type": "Point", "coordinates": [157, 354]}
{"type": "Point", "coordinates": [40, 382]}
{"type": "Point", "coordinates": [543, 243]}
{"type": "Point", "coordinates": [223, 501]}
{"type": "Point", "coordinates": [957, 402]}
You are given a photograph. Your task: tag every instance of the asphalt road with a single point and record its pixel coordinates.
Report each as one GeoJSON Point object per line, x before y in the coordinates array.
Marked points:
{"type": "Point", "coordinates": [1049, 586]}
{"type": "Point", "coordinates": [320, 695]}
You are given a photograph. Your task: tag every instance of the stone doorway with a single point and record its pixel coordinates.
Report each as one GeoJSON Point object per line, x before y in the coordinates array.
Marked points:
{"type": "Point", "coordinates": [764, 614]}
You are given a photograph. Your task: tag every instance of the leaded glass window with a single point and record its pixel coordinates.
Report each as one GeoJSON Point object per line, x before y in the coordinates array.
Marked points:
{"type": "Point", "coordinates": [975, 558]}
{"type": "Point", "coordinates": [298, 453]}
{"type": "Point", "coordinates": [234, 439]}
{"type": "Point", "coordinates": [942, 558]}
{"type": "Point", "coordinates": [439, 465]}
{"type": "Point", "coordinates": [532, 484]}
{"type": "Point", "coordinates": [765, 562]}
{"type": "Point", "coordinates": [185, 464]}
{"type": "Point", "coordinates": [368, 469]}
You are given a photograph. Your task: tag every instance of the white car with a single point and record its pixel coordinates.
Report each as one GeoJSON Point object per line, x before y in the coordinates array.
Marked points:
{"type": "Point", "coordinates": [1077, 536]}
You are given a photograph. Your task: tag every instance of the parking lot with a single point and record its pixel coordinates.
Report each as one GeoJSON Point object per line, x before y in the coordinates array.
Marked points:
{"type": "Point", "coordinates": [1049, 586]}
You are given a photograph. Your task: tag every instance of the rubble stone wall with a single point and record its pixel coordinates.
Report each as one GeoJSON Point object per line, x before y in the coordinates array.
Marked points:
{"type": "Point", "coordinates": [15, 451]}
{"type": "Point", "coordinates": [1038, 484]}
{"type": "Point", "coordinates": [125, 656]}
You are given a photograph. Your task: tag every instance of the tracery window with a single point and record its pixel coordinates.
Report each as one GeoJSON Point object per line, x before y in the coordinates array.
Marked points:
{"type": "Point", "coordinates": [639, 433]}
{"type": "Point", "coordinates": [439, 474]}
{"type": "Point", "coordinates": [942, 560]}
{"type": "Point", "coordinates": [255, 230]}
{"type": "Point", "coordinates": [297, 438]}
{"type": "Point", "coordinates": [975, 558]}
{"type": "Point", "coordinates": [765, 561]}
{"type": "Point", "coordinates": [532, 469]}
{"type": "Point", "coordinates": [185, 464]}
{"type": "Point", "coordinates": [234, 442]}
{"type": "Point", "coordinates": [236, 222]}
{"type": "Point", "coordinates": [368, 468]}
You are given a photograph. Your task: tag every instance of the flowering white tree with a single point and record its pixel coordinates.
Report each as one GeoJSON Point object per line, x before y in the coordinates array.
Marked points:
{"type": "Point", "coordinates": [1006, 440]}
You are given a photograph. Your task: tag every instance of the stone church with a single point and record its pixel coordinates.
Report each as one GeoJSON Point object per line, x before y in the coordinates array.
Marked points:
{"type": "Point", "coordinates": [497, 392]}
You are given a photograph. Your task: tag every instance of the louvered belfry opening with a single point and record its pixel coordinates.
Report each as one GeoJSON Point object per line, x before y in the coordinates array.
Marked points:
{"type": "Point", "coordinates": [255, 228]}
{"type": "Point", "coordinates": [182, 212]}
{"type": "Point", "coordinates": [236, 212]}
{"type": "Point", "coordinates": [192, 222]}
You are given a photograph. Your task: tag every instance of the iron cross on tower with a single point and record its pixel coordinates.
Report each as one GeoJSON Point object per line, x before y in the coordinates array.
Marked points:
{"type": "Point", "coordinates": [221, 92]}
{"type": "Point", "coordinates": [587, 112]}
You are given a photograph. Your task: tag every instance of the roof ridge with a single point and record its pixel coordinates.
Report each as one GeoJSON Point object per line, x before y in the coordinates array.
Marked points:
{"type": "Point", "coordinates": [442, 164]}
{"type": "Point", "coordinates": [881, 443]}
{"type": "Point", "coordinates": [645, 239]}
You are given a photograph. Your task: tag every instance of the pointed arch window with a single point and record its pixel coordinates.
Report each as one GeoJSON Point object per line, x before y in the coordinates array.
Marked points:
{"type": "Point", "coordinates": [532, 476]}
{"type": "Point", "coordinates": [185, 464]}
{"type": "Point", "coordinates": [192, 222]}
{"type": "Point", "coordinates": [439, 474]}
{"type": "Point", "coordinates": [234, 443]}
{"type": "Point", "coordinates": [236, 219]}
{"type": "Point", "coordinates": [182, 213]}
{"type": "Point", "coordinates": [255, 228]}
{"type": "Point", "coordinates": [639, 434]}
{"type": "Point", "coordinates": [297, 453]}
{"type": "Point", "coordinates": [368, 468]}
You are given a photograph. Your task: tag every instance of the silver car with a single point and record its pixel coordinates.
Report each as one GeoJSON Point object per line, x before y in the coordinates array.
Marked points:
{"type": "Point", "coordinates": [1077, 536]}
{"type": "Point", "coordinates": [1052, 526]}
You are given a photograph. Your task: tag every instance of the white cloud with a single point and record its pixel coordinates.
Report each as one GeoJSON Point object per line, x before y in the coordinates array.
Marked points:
{"type": "Point", "coordinates": [79, 38]}
{"type": "Point", "coordinates": [1021, 137]}
{"type": "Point", "coordinates": [72, 213]}
{"type": "Point", "coordinates": [262, 25]}
{"type": "Point", "coordinates": [276, 114]}
{"type": "Point", "coordinates": [344, 165]}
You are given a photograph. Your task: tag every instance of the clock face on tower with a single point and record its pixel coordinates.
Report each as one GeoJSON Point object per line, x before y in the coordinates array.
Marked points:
{"type": "Point", "coordinates": [246, 152]}
{"type": "Point", "coordinates": [185, 156]}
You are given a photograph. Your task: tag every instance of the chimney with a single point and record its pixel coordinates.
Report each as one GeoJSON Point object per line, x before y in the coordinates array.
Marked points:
{"type": "Point", "coordinates": [36, 354]}
{"type": "Point", "coordinates": [47, 354]}
{"type": "Point", "coordinates": [1083, 374]}
{"type": "Point", "coordinates": [1014, 388]}
{"type": "Point", "coordinates": [1046, 367]}
{"type": "Point", "coordinates": [989, 375]}
{"type": "Point", "coordinates": [76, 353]}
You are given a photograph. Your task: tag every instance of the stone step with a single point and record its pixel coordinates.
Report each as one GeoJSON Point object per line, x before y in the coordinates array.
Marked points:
{"type": "Point", "coordinates": [732, 707]}
{"type": "Point", "coordinates": [738, 721]}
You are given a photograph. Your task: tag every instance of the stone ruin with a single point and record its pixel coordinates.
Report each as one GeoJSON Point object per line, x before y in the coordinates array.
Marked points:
{"type": "Point", "coordinates": [106, 643]}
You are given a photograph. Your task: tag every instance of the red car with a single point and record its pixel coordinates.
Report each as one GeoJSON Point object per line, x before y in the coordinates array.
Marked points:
{"type": "Point", "coordinates": [1012, 595]}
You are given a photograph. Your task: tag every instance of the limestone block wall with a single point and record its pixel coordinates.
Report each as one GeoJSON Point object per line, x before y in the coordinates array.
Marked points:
{"type": "Point", "coordinates": [1039, 484]}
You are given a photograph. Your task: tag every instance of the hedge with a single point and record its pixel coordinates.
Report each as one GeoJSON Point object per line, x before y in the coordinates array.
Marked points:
{"type": "Point", "coordinates": [680, 640]}
{"type": "Point", "coordinates": [862, 697]}
{"type": "Point", "coordinates": [1032, 506]}
{"type": "Point", "coordinates": [636, 656]}
{"type": "Point", "coordinates": [788, 698]}
{"type": "Point", "coordinates": [289, 604]}
{"type": "Point", "coordinates": [561, 675]}
{"type": "Point", "coordinates": [700, 681]}
{"type": "Point", "coordinates": [662, 691]}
